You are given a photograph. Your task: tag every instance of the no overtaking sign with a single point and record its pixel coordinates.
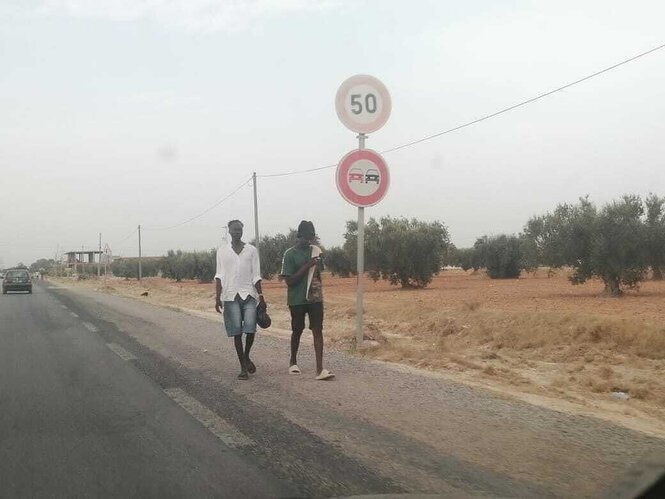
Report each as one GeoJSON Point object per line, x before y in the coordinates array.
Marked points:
{"type": "Point", "coordinates": [362, 177]}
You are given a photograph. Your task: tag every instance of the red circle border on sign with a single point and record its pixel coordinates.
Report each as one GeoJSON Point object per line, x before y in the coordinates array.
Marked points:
{"type": "Point", "coordinates": [347, 120]}
{"type": "Point", "coordinates": [342, 172]}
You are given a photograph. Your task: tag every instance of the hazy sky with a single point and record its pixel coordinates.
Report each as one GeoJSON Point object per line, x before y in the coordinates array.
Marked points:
{"type": "Point", "coordinates": [124, 112]}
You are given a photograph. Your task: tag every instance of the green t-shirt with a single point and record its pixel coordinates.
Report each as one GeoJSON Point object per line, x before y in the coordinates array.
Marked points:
{"type": "Point", "coordinates": [294, 258]}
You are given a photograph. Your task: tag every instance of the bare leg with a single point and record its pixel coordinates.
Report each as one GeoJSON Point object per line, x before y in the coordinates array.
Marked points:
{"type": "Point", "coordinates": [248, 346]}
{"type": "Point", "coordinates": [318, 349]}
{"type": "Point", "coordinates": [237, 341]}
{"type": "Point", "coordinates": [295, 344]}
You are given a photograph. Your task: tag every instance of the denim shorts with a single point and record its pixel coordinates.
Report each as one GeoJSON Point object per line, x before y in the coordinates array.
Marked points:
{"type": "Point", "coordinates": [240, 316]}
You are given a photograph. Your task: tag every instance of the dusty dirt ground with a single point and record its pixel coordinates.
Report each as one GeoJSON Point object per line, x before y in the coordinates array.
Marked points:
{"type": "Point", "coordinates": [538, 337]}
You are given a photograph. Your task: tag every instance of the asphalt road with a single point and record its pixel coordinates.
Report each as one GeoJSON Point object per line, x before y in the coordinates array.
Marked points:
{"type": "Point", "coordinates": [106, 396]}
{"type": "Point", "coordinates": [76, 420]}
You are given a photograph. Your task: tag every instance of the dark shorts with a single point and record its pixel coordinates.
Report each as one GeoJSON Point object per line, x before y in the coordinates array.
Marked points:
{"type": "Point", "coordinates": [315, 312]}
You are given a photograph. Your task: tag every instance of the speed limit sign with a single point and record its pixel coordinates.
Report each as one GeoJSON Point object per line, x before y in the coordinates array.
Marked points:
{"type": "Point", "coordinates": [363, 104]}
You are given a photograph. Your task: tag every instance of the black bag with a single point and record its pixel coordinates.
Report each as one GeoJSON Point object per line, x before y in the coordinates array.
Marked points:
{"type": "Point", "coordinates": [262, 318]}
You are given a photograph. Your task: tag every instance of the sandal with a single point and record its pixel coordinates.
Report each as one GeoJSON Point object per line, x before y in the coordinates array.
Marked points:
{"type": "Point", "coordinates": [324, 374]}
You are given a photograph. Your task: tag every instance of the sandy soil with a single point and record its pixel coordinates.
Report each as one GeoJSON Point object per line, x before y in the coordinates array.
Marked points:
{"type": "Point", "coordinates": [538, 337]}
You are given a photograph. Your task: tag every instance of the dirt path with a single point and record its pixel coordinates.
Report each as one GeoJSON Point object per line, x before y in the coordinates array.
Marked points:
{"type": "Point", "coordinates": [537, 338]}
{"type": "Point", "coordinates": [425, 432]}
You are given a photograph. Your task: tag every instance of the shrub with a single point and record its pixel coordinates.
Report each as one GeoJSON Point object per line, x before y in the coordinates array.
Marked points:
{"type": "Point", "coordinates": [199, 265]}
{"type": "Point", "coordinates": [464, 258]}
{"type": "Point", "coordinates": [655, 234]}
{"type": "Point", "coordinates": [272, 249]}
{"type": "Point", "coordinates": [501, 256]}
{"type": "Point", "coordinates": [178, 265]}
{"type": "Point", "coordinates": [129, 267]}
{"type": "Point", "coordinates": [339, 262]}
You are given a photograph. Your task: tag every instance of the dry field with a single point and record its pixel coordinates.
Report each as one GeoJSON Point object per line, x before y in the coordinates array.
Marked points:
{"type": "Point", "coordinates": [537, 337]}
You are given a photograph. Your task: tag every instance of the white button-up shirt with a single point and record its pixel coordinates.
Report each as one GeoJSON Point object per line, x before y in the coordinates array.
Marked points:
{"type": "Point", "coordinates": [238, 273]}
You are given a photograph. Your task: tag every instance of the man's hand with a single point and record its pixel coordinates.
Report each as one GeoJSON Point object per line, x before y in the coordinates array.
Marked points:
{"type": "Point", "coordinates": [262, 303]}
{"type": "Point", "coordinates": [219, 305]}
{"type": "Point", "coordinates": [312, 262]}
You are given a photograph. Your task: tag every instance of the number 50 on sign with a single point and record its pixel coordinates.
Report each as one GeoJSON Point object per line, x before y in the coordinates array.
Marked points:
{"type": "Point", "coordinates": [363, 104]}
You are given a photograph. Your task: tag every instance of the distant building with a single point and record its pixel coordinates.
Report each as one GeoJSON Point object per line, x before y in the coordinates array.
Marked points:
{"type": "Point", "coordinates": [72, 258]}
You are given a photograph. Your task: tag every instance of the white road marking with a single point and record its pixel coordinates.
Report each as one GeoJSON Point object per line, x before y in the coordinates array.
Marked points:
{"type": "Point", "coordinates": [73, 314]}
{"type": "Point", "coordinates": [219, 427]}
{"type": "Point", "coordinates": [120, 352]}
{"type": "Point", "coordinates": [90, 327]}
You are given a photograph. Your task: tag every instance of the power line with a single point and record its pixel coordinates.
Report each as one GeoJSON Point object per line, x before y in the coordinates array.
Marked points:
{"type": "Point", "coordinates": [486, 117]}
{"type": "Point", "coordinates": [203, 212]}
{"type": "Point", "coordinates": [523, 103]}
{"type": "Point", "coordinates": [418, 141]}
{"type": "Point", "coordinates": [285, 174]}
{"type": "Point", "coordinates": [130, 235]}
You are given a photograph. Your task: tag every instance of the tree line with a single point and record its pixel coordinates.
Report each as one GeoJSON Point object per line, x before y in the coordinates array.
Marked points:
{"type": "Point", "coordinates": [619, 243]}
{"type": "Point", "coordinates": [177, 265]}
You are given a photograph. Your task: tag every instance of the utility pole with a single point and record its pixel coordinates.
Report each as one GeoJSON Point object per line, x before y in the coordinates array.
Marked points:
{"type": "Point", "coordinates": [256, 217]}
{"type": "Point", "coordinates": [139, 253]}
{"type": "Point", "coordinates": [99, 259]}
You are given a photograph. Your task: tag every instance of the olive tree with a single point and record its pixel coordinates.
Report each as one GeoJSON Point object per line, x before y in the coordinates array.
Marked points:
{"type": "Point", "coordinates": [339, 262]}
{"type": "Point", "coordinates": [655, 234]}
{"type": "Point", "coordinates": [607, 243]}
{"type": "Point", "coordinates": [402, 251]}
{"type": "Point", "coordinates": [272, 250]}
{"type": "Point", "coordinates": [502, 256]}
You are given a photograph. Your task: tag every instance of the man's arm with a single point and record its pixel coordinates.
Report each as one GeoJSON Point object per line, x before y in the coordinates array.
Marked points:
{"type": "Point", "coordinates": [262, 301]}
{"type": "Point", "coordinates": [218, 282]}
{"type": "Point", "coordinates": [218, 295]}
{"type": "Point", "coordinates": [256, 267]}
{"type": "Point", "coordinates": [292, 280]}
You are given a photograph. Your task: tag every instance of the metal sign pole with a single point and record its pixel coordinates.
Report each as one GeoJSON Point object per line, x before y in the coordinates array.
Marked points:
{"type": "Point", "coordinates": [361, 261]}
{"type": "Point", "coordinates": [363, 105]}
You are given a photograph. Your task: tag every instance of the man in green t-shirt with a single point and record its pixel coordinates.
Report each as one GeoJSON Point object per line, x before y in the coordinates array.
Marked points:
{"type": "Point", "coordinates": [301, 269]}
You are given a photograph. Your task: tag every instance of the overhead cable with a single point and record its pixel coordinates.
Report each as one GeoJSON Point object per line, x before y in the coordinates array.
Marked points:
{"type": "Point", "coordinates": [486, 117]}
{"type": "Point", "coordinates": [130, 235]}
{"type": "Point", "coordinates": [523, 103]}
{"type": "Point", "coordinates": [417, 141]}
{"type": "Point", "coordinates": [205, 211]}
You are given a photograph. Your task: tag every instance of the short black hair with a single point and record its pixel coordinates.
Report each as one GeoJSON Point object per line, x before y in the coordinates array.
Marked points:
{"type": "Point", "coordinates": [234, 222]}
{"type": "Point", "coordinates": [306, 228]}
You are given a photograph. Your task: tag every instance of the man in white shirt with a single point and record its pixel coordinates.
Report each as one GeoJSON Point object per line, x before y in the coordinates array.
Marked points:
{"type": "Point", "coordinates": [238, 293]}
